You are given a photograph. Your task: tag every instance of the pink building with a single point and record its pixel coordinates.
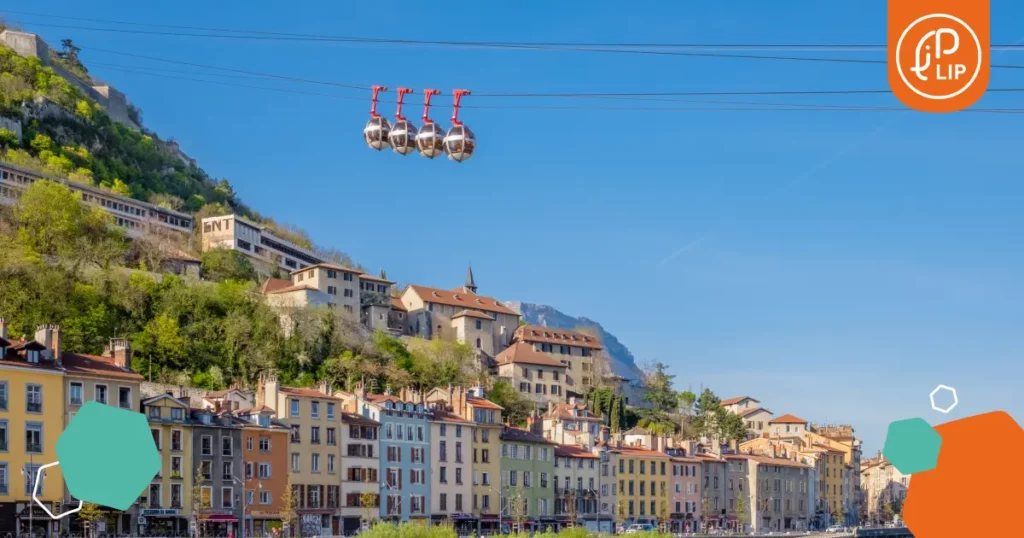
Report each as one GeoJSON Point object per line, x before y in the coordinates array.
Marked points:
{"type": "Point", "coordinates": [685, 501]}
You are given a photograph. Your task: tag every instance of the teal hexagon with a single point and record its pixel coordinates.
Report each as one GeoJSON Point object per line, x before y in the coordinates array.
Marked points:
{"type": "Point", "coordinates": [107, 455]}
{"type": "Point", "coordinates": [912, 445]}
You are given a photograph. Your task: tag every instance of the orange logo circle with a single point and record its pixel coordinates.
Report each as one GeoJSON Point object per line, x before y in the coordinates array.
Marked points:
{"type": "Point", "coordinates": [938, 56]}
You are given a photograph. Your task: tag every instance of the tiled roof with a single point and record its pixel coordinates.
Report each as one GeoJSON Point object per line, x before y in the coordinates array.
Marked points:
{"type": "Point", "coordinates": [548, 335]}
{"type": "Point", "coordinates": [523, 353]}
{"type": "Point", "coordinates": [271, 285]}
{"type": "Point", "coordinates": [636, 430]}
{"type": "Point", "coordinates": [253, 410]}
{"type": "Point", "coordinates": [483, 404]}
{"type": "Point", "coordinates": [328, 266]}
{"type": "Point", "coordinates": [352, 418]}
{"type": "Point", "coordinates": [372, 278]}
{"type": "Point", "coordinates": [745, 412]}
{"type": "Point", "coordinates": [384, 398]}
{"type": "Point", "coordinates": [523, 436]}
{"type": "Point", "coordinates": [768, 460]}
{"type": "Point", "coordinates": [13, 358]}
{"type": "Point", "coordinates": [461, 298]}
{"type": "Point", "coordinates": [787, 419]}
{"type": "Point", "coordinates": [472, 314]}
{"type": "Point", "coordinates": [733, 401]}
{"type": "Point", "coordinates": [572, 451]}
{"type": "Point", "coordinates": [445, 416]}
{"type": "Point", "coordinates": [77, 363]}
{"type": "Point", "coordinates": [685, 459]}
{"type": "Point", "coordinates": [396, 304]}
{"type": "Point", "coordinates": [639, 452]}
{"type": "Point", "coordinates": [303, 391]}
{"type": "Point", "coordinates": [297, 287]}
{"type": "Point", "coordinates": [563, 410]}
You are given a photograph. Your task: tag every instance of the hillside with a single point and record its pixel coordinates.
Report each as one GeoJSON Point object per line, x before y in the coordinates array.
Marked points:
{"type": "Point", "coordinates": [66, 133]}
{"type": "Point", "coordinates": [622, 361]}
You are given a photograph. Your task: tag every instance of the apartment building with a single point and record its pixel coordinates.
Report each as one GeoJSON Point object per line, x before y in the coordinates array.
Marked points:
{"type": "Point", "coordinates": [527, 466]}
{"type": "Point", "coordinates": [843, 438]}
{"type": "Point", "coordinates": [314, 419]}
{"type": "Point", "coordinates": [740, 403]}
{"type": "Point", "coordinates": [323, 284]}
{"type": "Point", "coordinates": [684, 501]}
{"type": "Point", "coordinates": [643, 493]}
{"type": "Point", "coordinates": [713, 499]}
{"type": "Point", "coordinates": [217, 463]}
{"type": "Point", "coordinates": [136, 217]}
{"type": "Point", "coordinates": [265, 457]}
{"type": "Point", "coordinates": [404, 454]}
{"type": "Point", "coordinates": [378, 308]}
{"type": "Point", "coordinates": [774, 492]}
{"type": "Point", "coordinates": [885, 490]}
{"type": "Point", "coordinates": [107, 379]}
{"type": "Point", "coordinates": [31, 419]}
{"type": "Point", "coordinates": [536, 376]}
{"type": "Point", "coordinates": [167, 505]}
{"type": "Point", "coordinates": [572, 424]}
{"type": "Point", "coordinates": [581, 353]}
{"type": "Point", "coordinates": [486, 418]}
{"type": "Point", "coordinates": [258, 242]}
{"type": "Point", "coordinates": [576, 477]}
{"type": "Point", "coordinates": [787, 426]}
{"type": "Point", "coordinates": [360, 478]}
{"type": "Point", "coordinates": [481, 322]}
{"type": "Point", "coordinates": [451, 490]}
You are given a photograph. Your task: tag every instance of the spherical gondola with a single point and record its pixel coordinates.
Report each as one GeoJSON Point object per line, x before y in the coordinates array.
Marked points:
{"type": "Point", "coordinates": [376, 133]}
{"type": "Point", "coordinates": [459, 143]}
{"type": "Point", "coordinates": [403, 132]}
{"type": "Point", "coordinates": [430, 140]}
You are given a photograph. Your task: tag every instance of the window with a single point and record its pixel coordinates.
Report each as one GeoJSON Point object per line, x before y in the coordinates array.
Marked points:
{"type": "Point", "coordinates": [348, 277]}
{"type": "Point", "coordinates": [227, 497]}
{"type": "Point", "coordinates": [264, 470]}
{"type": "Point", "coordinates": [206, 469]}
{"type": "Point", "coordinates": [206, 445]}
{"type": "Point", "coordinates": [315, 463]}
{"type": "Point", "coordinates": [154, 495]}
{"type": "Point", "coordinates": [330, 411]}
{"type": "Point", "coordinates": [3, 395]}
{"type": "Point", "coordinates": [75, 396]}
{"type": "Point", "coordinates": [331, 290]}
{"type": "Point", "coordinates": [314, 435]}
{"type": "Point", "coordinates": [101, 394]}
{"type": "Point", "coordinates": [248, 443]}
{"type": "Point", "coordinates": [332, 436]}
{"type": "Point", "coordinates": [479, 325]}
{"type": "Point", "coordinates": [264, 444]}
{"type": "Point", "coordinates": [124, 397]}
{"type": "Point", "coordinates": [177, 413]}
{"type": "Point", "coordinates": [314, 409]}
{"type": "Point", "coordinates": [156, 438]}
{"type": "Point", "coordinates": [34, 437]}
{"type": "Point", "coordinates": [3, 436]}
{"type": "Point", "coordinates": [225, 470]}
{"type": "Point", "coordinates": [264, 497]}
{"type": "Point", "coordinates": [295, 462]}
{"type": "Point", "coordinates": [34, 398]}
{"type": "Point", "coordinates": [225, 444]}
{"type": "Point", "coordinates": [330, 463]}
{"type": "Point", "coordinates": [206, 496]}
{"type": "Point", "coordinates": [294, 408]}
{"type": "Point", "coordinates": [444, 502]}
{"type": "Point", "coordinates": [175, 495]}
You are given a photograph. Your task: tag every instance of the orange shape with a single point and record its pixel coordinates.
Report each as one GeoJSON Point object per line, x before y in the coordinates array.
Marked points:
{"type": "Point", "coordinates": [962, 484]}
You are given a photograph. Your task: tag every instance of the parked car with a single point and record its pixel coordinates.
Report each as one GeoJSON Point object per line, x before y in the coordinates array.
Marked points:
{"type": "Point", "coordinates": [639, 528]}
{"type": "Point", "coordinates": [834, 529]}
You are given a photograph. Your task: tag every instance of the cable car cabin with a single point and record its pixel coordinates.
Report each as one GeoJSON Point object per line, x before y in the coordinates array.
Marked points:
{"type": "Point", "coordinates": [430, 140]}
{"type": "Point", "coordinates": [376, 133]}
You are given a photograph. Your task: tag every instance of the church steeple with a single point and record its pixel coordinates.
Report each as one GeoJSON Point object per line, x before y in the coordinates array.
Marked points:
{"type": "Point", "coordinates": [470, 285]}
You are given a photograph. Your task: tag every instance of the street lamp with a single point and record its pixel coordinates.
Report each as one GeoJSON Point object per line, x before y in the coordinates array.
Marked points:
{"type": "Point", "coordinates": [245, 496]}
{"type": "Point", "coordinates": [30, 484]}
{"type": "Point", "coordinates": [386, 486]}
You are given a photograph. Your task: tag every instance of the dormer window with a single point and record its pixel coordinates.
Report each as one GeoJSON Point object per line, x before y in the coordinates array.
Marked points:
{"type": "Point", "coordinates": [32, 356]}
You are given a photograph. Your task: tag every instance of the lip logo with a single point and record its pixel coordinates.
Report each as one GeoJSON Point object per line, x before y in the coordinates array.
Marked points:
{"type": "Point", "coordinates": [939, 55]}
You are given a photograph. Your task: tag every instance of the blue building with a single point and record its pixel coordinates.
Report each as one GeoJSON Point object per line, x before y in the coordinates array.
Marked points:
{"type": "Point", "coordinates": [404, 455]}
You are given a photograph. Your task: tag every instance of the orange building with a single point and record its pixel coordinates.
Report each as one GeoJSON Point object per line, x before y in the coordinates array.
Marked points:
{"type": "Point", "coordinates": [265, 458]}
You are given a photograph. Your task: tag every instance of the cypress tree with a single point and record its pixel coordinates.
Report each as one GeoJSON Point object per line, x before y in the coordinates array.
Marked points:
{"type": "Point", "coordinates": [615, 411]}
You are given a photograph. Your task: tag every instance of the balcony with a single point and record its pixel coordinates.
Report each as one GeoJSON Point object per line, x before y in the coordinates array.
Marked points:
{"type": "Point", "coordinates": [579, 492]}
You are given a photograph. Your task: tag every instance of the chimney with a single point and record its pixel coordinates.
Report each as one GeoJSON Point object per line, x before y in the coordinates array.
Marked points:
{"type": "Point", "coordinates": [325, 388]}
{"type": "Point", "coordinates": [572, 400]}
{"type": "Point", "coordinates": [121, 352]}
{"type": "Point", "coordinates": [44, 335]}
{"type": "Point", "coordinates": [57, 349]}
{"type": "Point", "coordinates": [551, 406]}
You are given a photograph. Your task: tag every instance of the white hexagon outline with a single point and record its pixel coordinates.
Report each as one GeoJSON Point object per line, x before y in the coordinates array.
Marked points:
{"type": "Point", "coordinates": [35, 492]}
{"type": "Point", "coordinates": [931, 397]}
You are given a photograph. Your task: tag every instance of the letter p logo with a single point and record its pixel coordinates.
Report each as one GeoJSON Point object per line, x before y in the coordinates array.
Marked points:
{"type": "Point", "coordinates": [939, 53]}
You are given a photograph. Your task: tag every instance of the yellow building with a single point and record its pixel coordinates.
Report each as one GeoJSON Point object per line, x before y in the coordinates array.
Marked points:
{"type": "Point", "coordinates": [31, 420]}
{"type": "Point", "coordinates": [167, 503]}
{"type": "Point", "coordinates": [314, 450]}
{"type": "Point", "coordinates": [643, 488]}
{"type": "Point", "coordinates": [109, 380]}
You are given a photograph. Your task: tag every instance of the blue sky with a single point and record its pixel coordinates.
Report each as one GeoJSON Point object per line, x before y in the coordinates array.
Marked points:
{"type": "Point", "coordinates": [835, 265]}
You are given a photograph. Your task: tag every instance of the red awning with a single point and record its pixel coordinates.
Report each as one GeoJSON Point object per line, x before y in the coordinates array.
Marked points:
{"type": "Point", "coordinates": [219, 518]}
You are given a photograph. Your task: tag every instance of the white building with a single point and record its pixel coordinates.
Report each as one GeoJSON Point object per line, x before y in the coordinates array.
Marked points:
{"type": "Point", "coordinates": [257, 242]}
{"type": "Point", "coordinates": [135, 216]}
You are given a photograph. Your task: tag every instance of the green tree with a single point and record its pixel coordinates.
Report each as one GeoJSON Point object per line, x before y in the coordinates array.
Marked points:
{"type": "Point", "coordinates": [288, 512]}
{"type": "Point", "coordinates": [742, 513]}
{"type": "Point", "coordinates": [659, 393]}
{"type": "Point", "coordinates": [224, 264]}
{"type": "Point", "coordinates": [161, 342]}
{"type": "Point", "coordinates": [120, 187]}
{"type": "Point", "coordinates": [616, 414]}
{"type": "Point", "coordinates": [52, 221]}
{"type": "Point", "coordinates": [90, 513]}
{"type": "Point", "coordinates": [516, 407]}
{"type": "Point", "coordinates": [8, 138]}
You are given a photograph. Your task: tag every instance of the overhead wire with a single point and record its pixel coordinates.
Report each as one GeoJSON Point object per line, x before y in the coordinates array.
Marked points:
{"type": "Point", "coordinates": [498, 45]}
{"type": "Point", "coordinates": [735, 106]}
{"type": "Point", "coordinates": [478, 94]}
{"type": "Point", "coordinates": [850, 47]}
